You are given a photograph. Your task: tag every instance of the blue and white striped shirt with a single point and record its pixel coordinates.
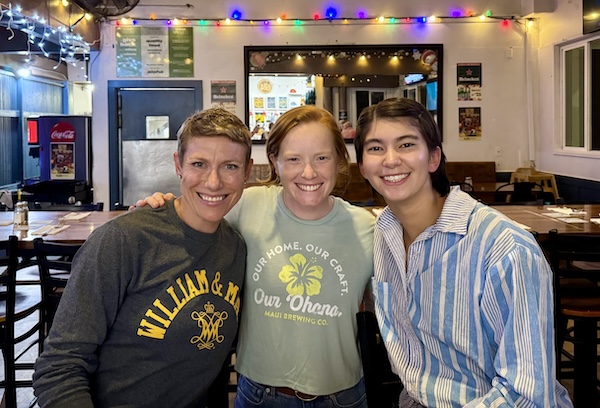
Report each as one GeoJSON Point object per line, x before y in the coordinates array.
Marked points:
{"type": "Point", "coordinates": [467, 318]}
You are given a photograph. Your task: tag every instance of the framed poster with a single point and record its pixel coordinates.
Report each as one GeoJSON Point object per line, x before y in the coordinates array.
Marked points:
{"type": "Point", "coordinates": [222, 91]}
{"type": "Point", "coordinates": [283, 102]}
{"type": "Point", "coordinates": [468, 81]}
{"type": "Point", "coordinates": [223, 95]}
{"type": "Point", "coordinates": [62, 160]}
{"type": "Point", "coordinates": [259, 103]}
{"type": "Point", "coordinates": [469, 123]}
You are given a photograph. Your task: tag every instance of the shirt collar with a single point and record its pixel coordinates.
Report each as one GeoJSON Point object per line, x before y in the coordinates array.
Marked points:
{"type": "Point", "coordinates": [454, 218]}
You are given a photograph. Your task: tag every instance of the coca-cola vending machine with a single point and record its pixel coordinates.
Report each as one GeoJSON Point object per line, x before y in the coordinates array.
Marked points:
{"type": "Point", "coordinates": [65, 158]}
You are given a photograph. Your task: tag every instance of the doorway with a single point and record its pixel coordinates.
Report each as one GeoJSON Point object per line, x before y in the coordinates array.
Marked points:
{"type": "Point", "coordinates": [364, 97]}
{"type": "Point", "coordinates": [144, 117]}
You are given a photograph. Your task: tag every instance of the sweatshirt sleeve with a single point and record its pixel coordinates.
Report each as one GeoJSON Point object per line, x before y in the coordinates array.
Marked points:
{"type": "Point", "coordinates": [88, 307]}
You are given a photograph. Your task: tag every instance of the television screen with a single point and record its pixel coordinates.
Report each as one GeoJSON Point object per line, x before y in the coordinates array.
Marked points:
{"type": "Point", "coordinates": [591, 16]}
{"type": "Point", "coordinates": [432, 94]}
{"type": "Point", "coordinates": [32, 132]}
{"type": "Point", "coordinates": [412, 78]}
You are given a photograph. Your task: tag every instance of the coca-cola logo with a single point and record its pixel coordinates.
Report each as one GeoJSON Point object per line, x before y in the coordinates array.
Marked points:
{"type": "Point", "coordinates": [62, 132]}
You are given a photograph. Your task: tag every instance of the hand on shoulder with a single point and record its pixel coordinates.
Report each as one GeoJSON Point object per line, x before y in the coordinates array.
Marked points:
{"type": "Point", "coordinates": [156, 200]}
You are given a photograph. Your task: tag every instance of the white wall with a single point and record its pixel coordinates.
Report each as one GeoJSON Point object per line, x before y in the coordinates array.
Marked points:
{"type": "Point", "coordinates": [558, 28]}
{"type": "Point", "coordinates": [218, 54]}
{"type": "Point", "coordinates": [81, 94]}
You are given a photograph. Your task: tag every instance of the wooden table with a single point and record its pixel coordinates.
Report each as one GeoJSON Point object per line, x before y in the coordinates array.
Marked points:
{"type": "Point", "coordinates": [533, 217]}
{"type": "Point", "coordinates": [77, 232]}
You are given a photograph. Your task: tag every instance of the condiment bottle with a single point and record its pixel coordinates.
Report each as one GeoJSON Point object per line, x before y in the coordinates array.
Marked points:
{"type": "Point", "coordinates": [21, 214]}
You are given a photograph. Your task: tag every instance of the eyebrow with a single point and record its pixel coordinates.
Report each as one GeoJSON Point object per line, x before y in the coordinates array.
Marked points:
{"type": "Point", "coordinates": [319, 153]}
{"type": "Point", "coordinates": [396, 139]}
{"type": "Point", "coordinates": [204, 159]}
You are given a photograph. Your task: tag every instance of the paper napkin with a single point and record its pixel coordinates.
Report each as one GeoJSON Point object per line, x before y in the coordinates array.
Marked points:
{"type": "Point", "coordinates": [75, 216]}
{"type": "Point", "coordinates": [573, 220]}
{"type": "Point", "coordinates": [50, 229]}
{"type": "Point", "coordinates": [567, 211]}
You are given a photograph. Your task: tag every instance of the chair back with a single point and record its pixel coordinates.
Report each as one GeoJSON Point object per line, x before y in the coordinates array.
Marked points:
{"type": "Point", "coordinates": [382, 385]}
{"type": "Point", "coordinates": [8, 267]}
{"type": "Point", "coordinates": [17, 302]}
{"type": "Point", "coordinates": [546, 180]}
{"type": "Point", "coordinates": [54, 261]}
{"type": "Point", "coordinates": [523, 192]}
{"type": "Point", "coordinates": [567, 252]}
{"type": "Point", "coordinates": [575, 261]}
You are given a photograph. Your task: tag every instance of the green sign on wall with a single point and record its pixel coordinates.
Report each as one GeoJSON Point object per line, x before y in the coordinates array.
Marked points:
{"type": "Point", "coordinates": [129, 52]}
{"type": "Point", "coordinates": [181, 52]}
{"type": "Point", "coordinates": [155, 52]}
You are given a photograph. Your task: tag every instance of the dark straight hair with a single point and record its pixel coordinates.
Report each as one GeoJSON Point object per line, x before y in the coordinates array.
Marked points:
{"type": "Point", "coordinates": [414, 114]}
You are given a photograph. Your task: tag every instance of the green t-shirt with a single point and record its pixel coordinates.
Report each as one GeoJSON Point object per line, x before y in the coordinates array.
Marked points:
{"type": "Point", "coordinates": [304, 284]}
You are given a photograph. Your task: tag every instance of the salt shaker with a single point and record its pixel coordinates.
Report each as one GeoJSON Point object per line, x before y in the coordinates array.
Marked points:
{"type": "Point", "coordinates": [21, 216]}
{"type": "Point", "coordinates": [25, 205]}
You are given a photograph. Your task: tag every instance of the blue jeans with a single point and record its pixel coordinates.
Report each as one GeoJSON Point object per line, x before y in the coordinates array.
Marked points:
{"type": "Point", "coordinates": [252, 395]}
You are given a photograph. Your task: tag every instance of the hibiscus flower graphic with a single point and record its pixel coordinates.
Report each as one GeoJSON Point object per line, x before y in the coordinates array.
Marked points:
{"type": "Point", "coordinates": [302, 276]}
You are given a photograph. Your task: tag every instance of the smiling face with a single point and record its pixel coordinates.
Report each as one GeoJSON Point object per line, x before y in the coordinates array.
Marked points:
{"type": "Point", "coordinates": [307, 165]}
{"type": "Point", "coordinates": [398, 163]}
{"type": "Point", "coordinates": [213, 171]}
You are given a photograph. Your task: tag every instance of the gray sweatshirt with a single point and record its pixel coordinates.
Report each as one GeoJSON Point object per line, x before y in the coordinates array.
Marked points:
{"type": "Point", "coordinates": [148, 317]}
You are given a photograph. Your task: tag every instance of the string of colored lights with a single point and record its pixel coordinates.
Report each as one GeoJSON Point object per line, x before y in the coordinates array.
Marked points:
{"type": "Point", "coordinates": [330, 17]}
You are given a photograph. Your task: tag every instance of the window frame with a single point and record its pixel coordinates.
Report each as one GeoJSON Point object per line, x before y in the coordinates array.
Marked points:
{"type": "Point", "coordinates": [586, 149]}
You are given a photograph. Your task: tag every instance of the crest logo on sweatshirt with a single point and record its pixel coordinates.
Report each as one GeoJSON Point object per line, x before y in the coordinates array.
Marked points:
{"type": "Point", "coordinates": [209, 321]}
{"type": "Point", "coordinates": [165, 309]}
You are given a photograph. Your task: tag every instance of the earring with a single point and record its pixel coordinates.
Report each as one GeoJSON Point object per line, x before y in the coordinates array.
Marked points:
{"type": "Point", "coordinates": [179, 176]}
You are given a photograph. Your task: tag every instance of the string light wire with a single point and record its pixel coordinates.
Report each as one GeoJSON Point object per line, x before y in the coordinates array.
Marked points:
{"type": "Point", "coordinates": [329, 18]}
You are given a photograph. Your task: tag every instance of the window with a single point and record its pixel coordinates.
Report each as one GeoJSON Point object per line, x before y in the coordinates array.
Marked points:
{"type": "Point", "coordinates": [19, 99]}
{"type": "Point", "coordinates": [11, 161]}
{"type": "Point", "coordinates": [580, 97]}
